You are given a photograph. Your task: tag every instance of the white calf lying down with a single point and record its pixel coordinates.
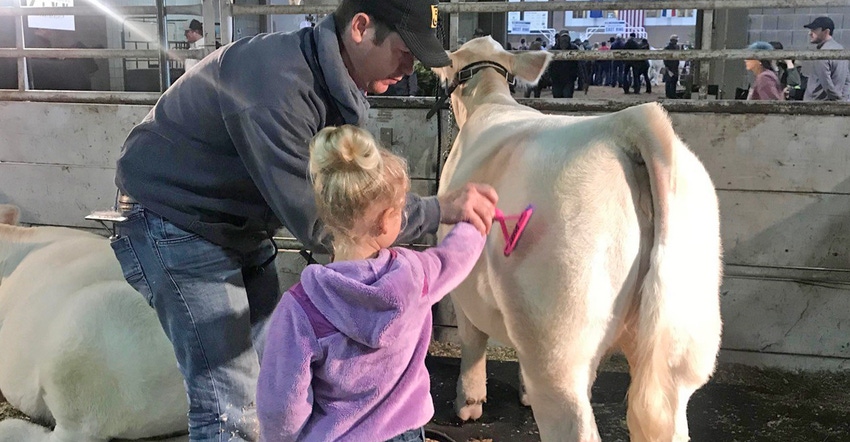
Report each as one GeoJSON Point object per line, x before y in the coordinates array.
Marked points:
{"type": "Point", "coordinates": [622, 252]}
{"type": "Point", "coordinates": [79, 348]}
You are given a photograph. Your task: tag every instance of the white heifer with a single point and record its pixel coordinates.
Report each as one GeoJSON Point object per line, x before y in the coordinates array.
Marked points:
{"type": "Point", "coordinates": [79, 348]}
{"type": "Point", "coordinates": [622, 252]}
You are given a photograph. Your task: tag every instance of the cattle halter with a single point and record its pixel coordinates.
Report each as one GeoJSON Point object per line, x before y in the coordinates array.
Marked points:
{"type": "Point", "coordinates": [466, 74]}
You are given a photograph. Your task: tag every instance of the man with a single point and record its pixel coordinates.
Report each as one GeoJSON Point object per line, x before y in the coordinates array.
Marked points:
{"type": "Point", "coordinates": [523, 46]}
{"type": "Point", "coordinates": [220, 163]}
{"type": "Point", "coordinates": [631, 68]}
{"type": "Point", "coordinates": [194, 33]}
{"type": "Point", "coordinates": [564, 73]}
{"type": "Point", "coordinates": [830, 79]}
{"type": "Point", "coordinates": [671, 76]}
{"type": "Point", "coordinates": [603, 67]}
{"type": "Point", "coordinates": [617, 66]}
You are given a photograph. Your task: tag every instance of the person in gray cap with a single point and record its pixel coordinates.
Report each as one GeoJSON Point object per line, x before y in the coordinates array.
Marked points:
{"type": "Point", "coordinates": [221, 162]}
{"type": "Point", "coordinates": [830, 79]}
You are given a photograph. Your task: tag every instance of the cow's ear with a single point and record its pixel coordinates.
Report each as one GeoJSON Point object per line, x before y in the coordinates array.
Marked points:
{"type": "Point", "coordinates": [9, 214]}
{"type": "Point", "coordinates": [530, 65]}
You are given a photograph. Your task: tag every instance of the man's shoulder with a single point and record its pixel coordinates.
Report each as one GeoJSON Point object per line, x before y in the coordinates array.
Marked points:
{"type": "Point", "coordinates": [270, 55]}
{"type": "Point", "coordinates": [832, 45]}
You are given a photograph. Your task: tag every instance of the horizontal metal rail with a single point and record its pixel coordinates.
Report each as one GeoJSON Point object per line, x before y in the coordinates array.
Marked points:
{"type": "Point", "coordinates": [176, 54]}
{"type": "Point", "coordinates": [839, 108]}
{"type": "Point", "coordinates": [576, 105]}
{"type": "Point", "coordinates": [579, 105]}
{"type": "Point", "coordinates": [93, 10]}
{"type": "Point", "coordinates": [559, 6]}
{"type": "Point", "coordinates": [699, 54]}
{"type": "Point", "coordinates": [713, 54]}
{"type": "Point", "coordinates": [93, 97]}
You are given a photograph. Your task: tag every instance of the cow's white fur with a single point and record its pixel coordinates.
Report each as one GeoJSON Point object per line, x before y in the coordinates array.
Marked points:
{"type": "Point", "coordinates": [622, 252]}
{"type": "Point", "coordinates": [79, 348]}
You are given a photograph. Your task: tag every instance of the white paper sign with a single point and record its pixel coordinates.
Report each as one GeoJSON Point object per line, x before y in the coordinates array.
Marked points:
{"type": "Point", "coordinates": [615, 27]}
{"type": "Point", "coordinates": [520, 27]}
{"type": "Point", "coordinates": [59, 22]}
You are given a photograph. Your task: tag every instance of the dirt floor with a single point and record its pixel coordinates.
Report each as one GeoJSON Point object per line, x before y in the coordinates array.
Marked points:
{"type": "Point", "coordinates": [740, 403]}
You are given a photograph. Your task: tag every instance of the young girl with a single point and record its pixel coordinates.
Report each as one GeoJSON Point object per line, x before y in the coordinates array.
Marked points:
{"type": "Point", "coordinates": [345, 352]}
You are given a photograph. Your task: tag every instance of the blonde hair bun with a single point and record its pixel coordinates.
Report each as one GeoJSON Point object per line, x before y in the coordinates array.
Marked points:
{"type": "Point", "coordinates": [343, 148]}
{"type": "Point", "coordinates": [350, 172]}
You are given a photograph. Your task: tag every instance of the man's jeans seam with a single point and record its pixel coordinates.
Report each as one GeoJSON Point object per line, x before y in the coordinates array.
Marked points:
{"type": "Point", "coordinates": [208, 371]}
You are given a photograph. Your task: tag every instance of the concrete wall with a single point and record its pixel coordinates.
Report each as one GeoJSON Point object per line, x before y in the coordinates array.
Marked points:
{"type": "Point", "coordinates": [783, 183]}
{"type": "Point", "coordinates": [786, 25]}
{"type": "Point", "coordinates": [772, 24]}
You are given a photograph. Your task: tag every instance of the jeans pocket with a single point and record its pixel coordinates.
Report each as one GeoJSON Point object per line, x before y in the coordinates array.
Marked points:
{"type": "Point", "coordinates": [131, 268]}
{"type": "Point", "coordinates": [168, 233]}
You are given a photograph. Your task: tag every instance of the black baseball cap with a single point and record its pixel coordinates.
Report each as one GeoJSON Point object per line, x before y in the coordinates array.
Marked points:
{"type": "Point", "coordinates": [195, 25]}
{"type": "Point", "coordinates": [822, 23]}
{"type": "Point", "coordinates": [416, 23]}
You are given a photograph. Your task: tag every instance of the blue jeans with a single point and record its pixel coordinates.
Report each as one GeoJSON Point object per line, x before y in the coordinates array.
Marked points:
{"type": "Point", "coordinates": [212, 303]}
{"type": "Point", "coordinates": [415, 435]}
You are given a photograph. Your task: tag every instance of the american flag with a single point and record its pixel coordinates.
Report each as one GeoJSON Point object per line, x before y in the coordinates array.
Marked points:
{"type": "Point", "coordinates": [634, 17]}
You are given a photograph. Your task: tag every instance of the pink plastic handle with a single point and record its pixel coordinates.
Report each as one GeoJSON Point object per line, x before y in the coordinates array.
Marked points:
{"type": "Point", "coordinates": [512, 238]}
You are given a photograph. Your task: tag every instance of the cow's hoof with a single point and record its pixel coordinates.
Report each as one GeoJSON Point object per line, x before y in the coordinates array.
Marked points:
{"type": "Point", "coordinates": [469, 410]}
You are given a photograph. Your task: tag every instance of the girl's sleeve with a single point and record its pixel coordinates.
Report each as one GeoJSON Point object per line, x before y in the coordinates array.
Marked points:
{"type": "Point", "coordinates": [284, 391]}
{"type": "Point", "coordinates": [446, 265]}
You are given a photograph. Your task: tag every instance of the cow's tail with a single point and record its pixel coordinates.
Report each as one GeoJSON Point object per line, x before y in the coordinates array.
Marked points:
{"type": "Point", "coordinates": [677, 329]}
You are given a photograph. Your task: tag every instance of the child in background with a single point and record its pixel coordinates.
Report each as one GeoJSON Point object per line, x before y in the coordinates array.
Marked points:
{"type": "Point", "coordinates": [345, 353]}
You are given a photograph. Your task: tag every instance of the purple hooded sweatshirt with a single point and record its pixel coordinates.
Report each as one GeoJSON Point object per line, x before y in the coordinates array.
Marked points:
{"type": "Point", "coordinates": [345, 352]}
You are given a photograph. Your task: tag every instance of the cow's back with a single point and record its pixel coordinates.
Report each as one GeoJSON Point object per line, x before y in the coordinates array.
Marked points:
{"type": "Point", "coordinates": [591, 212]}
{"type": "Point", "coordinates": [78, 345]}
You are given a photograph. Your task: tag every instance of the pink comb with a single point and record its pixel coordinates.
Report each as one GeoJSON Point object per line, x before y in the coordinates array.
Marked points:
{"type": "Point", "coordinates": [512, 238]}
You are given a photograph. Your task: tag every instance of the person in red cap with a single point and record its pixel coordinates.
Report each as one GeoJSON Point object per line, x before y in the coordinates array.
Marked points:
{"type": "Point", "coordinates": [830, 79]}
{"type": "Point", "coordinates": [220, 163]}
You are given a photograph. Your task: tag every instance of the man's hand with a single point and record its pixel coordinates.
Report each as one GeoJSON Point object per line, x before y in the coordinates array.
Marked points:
{"type": "Point", "coordinates": [474, 203]}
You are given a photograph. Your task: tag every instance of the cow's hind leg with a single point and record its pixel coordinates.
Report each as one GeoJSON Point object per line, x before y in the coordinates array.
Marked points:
{"type": "Point", "coordinates": [560, 399]}
{"type": "Point", "coordinates": [472, 382]}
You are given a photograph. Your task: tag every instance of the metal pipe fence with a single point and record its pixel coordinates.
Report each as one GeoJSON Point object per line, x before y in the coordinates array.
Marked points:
{"type": "Point", "coordinates": [464, 7]}
{"type": "Point", "coordinates": [230, 10]}
{"type": "Point", "coordinates": [425, 103]}
{"type": "Point", "coordinates": [18, 11]}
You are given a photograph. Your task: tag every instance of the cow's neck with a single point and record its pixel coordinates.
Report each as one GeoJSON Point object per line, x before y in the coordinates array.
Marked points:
{"type": "Point", "coordinates": [488, 87]}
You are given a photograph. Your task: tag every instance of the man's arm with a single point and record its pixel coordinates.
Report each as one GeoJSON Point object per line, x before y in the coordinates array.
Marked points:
{"type": "Point", "coordinates": [823, 71]}
{"type": "Point", "coordinates": [474, 203]}
{"type": "Point", "coordinates": [274, 144]}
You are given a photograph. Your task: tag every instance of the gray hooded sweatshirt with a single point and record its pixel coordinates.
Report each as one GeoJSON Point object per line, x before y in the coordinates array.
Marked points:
{"type": "Point", "coordinates": [224, 153]}
{"type": "Point", "coordinates": [830, 79]}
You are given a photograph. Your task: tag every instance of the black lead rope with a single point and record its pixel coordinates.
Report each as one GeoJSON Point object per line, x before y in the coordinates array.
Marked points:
{"type": "Point", "coordinates": [465, 75]}
{"type": "Point", "coordinates": [441, 99]}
